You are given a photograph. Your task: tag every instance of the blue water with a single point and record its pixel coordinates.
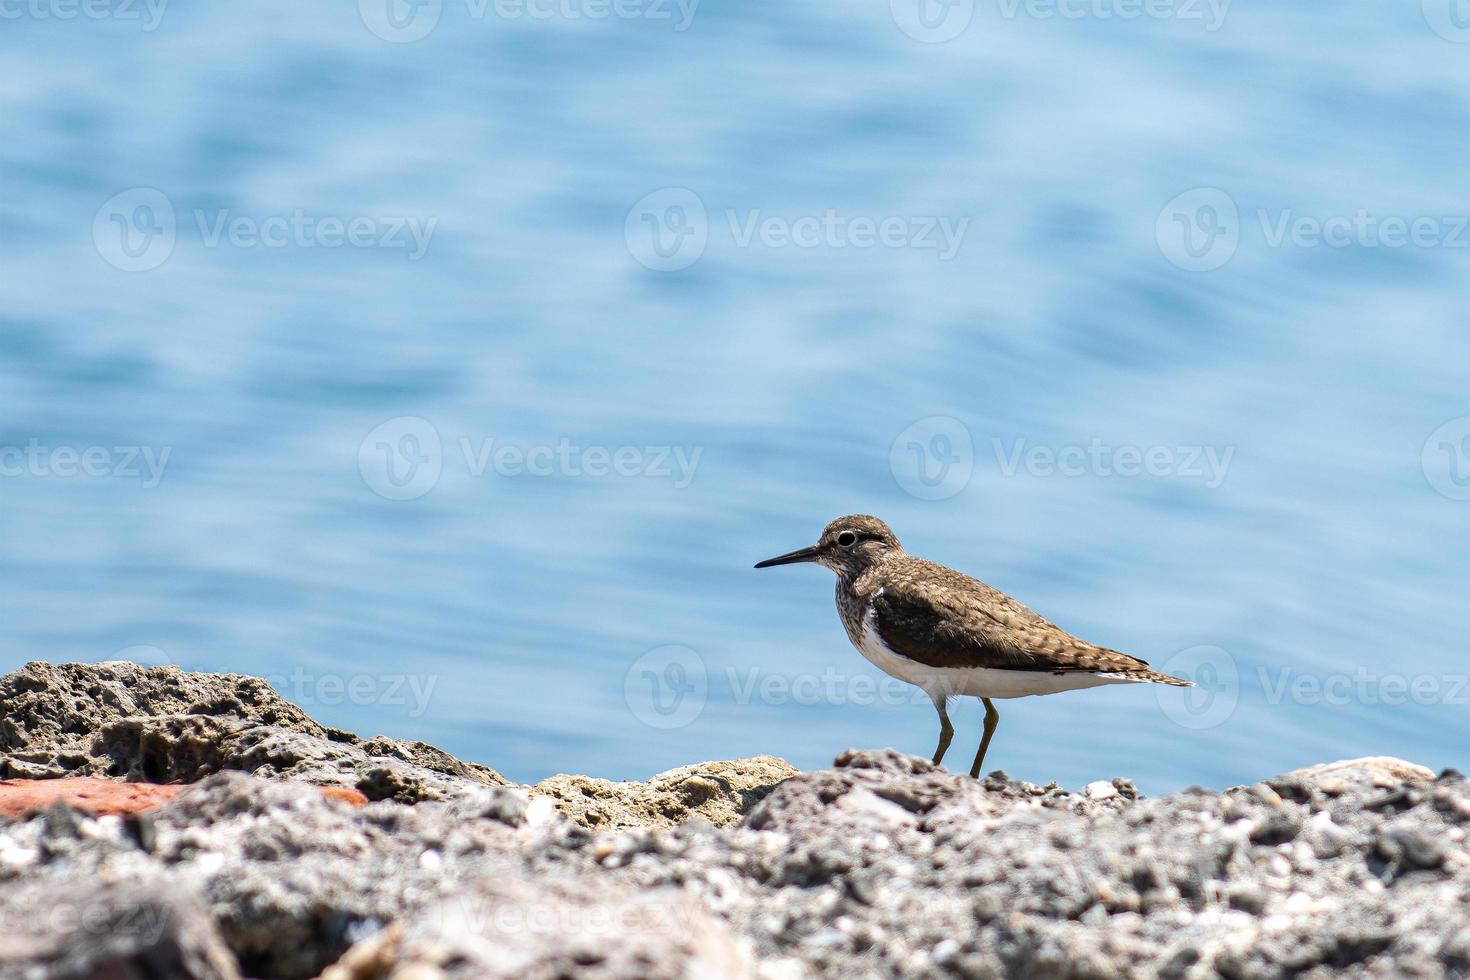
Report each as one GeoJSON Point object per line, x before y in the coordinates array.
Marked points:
{"type": "Point", "coordinates": [385, 471]}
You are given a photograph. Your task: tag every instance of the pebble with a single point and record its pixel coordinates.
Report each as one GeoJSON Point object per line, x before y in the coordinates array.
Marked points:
{"type": "Point", "coordinates": [945, 951]}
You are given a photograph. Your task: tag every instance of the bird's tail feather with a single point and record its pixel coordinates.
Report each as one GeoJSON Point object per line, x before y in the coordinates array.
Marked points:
{"type": "Point", "coordinates": [1147, 677]}
{"type": "Point", "coordinates": [1155, 677]}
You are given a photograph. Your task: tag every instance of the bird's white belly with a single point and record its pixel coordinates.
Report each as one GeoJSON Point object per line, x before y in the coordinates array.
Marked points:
{"type": "Point", "coordinates": [980, 682]}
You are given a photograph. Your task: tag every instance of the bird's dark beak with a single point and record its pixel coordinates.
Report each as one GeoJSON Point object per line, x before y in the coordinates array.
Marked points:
{"type": "Point", "coordinates": [792, 557]}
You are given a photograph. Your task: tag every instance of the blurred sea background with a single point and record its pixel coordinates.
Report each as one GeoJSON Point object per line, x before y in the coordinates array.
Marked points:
{"type": "Point", "coordinates": [681, 294]}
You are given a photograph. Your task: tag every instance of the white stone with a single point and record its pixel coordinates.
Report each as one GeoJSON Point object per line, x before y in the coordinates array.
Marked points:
{"type": "Point", "coordinates": [944, 951]}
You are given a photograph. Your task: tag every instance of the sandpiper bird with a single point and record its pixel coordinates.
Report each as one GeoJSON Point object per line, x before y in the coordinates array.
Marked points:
{"type": "Point", "coordinates": [950, 634]}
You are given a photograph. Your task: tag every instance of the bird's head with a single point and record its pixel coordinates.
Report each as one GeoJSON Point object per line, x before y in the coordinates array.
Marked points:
{"type": "Point", "coordinates": [848, 546]}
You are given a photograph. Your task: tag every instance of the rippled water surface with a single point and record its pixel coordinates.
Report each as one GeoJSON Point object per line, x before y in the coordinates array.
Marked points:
{"type": "Point", "coordinates": [456, 383]}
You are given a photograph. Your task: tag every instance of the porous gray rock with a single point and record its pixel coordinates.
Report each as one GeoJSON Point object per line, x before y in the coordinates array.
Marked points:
{"type": "Point", "coordinates": [57, 930]}
{"type": "Point", "coordinates": [291, 879]}
{"type": "Point", "coordinates": [1372, 772]}
{"type": "Point", "coordinates": [50, 714]}
{"type": "Point", "coordinates": [875, 789]}
{"type": "Point", "coordinates": [165, 725]}
{"type": "Point", "coordinates": [883, 865]}
{"type": "Point", "coordinates": [516, 927]}
{"type": "Point", "coordinates": [886, 865]}
{"type": "Point", "coordinates": [186, 748]}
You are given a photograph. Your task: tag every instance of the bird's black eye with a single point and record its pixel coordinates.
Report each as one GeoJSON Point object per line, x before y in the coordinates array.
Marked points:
{"type": "Point", "coordinates": [847, 539]}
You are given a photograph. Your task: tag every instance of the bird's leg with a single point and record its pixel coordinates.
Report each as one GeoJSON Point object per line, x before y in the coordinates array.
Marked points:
{"type": "Point", "coordinates": [992, 718]}
{"type": "Point", "coordinates": [946, 730]}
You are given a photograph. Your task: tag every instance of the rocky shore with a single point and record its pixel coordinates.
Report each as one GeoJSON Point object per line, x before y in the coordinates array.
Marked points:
{"type": "Point", "coordinates": [156, 823]}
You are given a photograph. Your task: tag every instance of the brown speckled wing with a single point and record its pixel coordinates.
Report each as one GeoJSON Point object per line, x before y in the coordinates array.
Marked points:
{"type": "Point", "coordinates": [941, 618]}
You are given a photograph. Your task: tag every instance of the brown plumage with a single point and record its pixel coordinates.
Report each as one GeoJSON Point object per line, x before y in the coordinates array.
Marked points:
{"type": "Point", "coordinates": [951, 634]}
{"type": "Point", "coordinates": [944, 618]}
